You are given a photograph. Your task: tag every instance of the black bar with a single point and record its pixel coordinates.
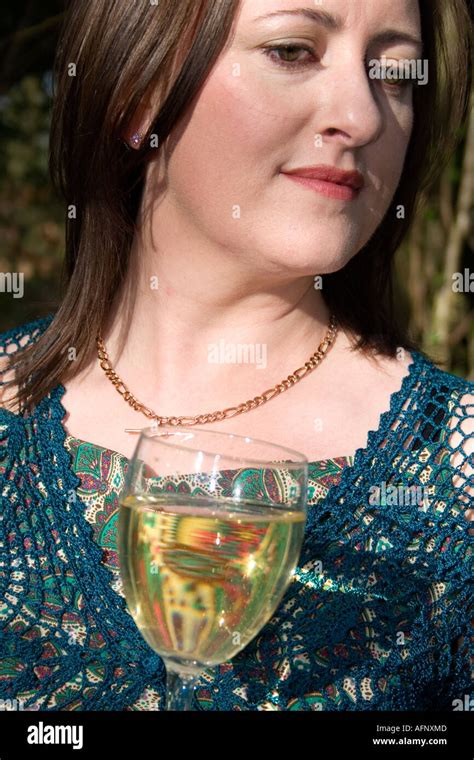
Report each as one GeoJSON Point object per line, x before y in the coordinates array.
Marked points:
{"type": "Point", "coordinates": [146, 734]}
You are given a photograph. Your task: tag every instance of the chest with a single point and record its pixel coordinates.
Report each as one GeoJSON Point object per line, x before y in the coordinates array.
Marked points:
{"type": "Point", "coordinates": [316, 420]}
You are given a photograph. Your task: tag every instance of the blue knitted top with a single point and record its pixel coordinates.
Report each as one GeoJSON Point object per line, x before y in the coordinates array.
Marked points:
{"type": "Point", "coordinates": [376, 617]}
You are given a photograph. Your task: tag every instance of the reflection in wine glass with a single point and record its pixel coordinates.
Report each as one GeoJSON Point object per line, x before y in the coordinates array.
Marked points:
{"type": "Point", "coordinates": [204, 560]}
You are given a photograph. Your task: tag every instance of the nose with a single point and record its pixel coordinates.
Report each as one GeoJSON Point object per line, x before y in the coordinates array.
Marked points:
{"type": "Point", "coordinates": [350, 110]}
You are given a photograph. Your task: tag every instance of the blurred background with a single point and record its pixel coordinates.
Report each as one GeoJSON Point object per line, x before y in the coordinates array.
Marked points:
{"type": "Point", "coordinates": [441, 243]}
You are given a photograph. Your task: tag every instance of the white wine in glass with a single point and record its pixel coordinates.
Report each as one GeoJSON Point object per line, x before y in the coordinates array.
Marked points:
{"type": "Point", "coordinates": [203, 566]}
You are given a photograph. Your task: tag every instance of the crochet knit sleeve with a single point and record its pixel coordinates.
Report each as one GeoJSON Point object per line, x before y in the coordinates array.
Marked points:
{"type": "Point", "coordinates": [11, 342]}
{"type": "Point", "coordinates": [460, 448]}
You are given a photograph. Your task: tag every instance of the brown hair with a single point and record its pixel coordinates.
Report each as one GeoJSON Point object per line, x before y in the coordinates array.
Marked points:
{"type": "Point", "coordinates": [122, 52]}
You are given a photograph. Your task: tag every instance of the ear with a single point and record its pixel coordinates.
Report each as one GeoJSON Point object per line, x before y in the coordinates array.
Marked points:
{"type": "Point", "coordinates": [138, 126]}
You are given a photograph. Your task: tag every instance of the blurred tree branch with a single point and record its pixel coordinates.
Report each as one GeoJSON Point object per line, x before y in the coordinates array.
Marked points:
{"type": "Point", "coordinates": [29, 48]}
{"type": "Point", "coordinates": [445, 306]}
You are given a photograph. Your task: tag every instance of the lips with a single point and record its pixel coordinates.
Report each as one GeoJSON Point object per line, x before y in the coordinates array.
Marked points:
{"type": "Point", "coordinates": [352, 179]}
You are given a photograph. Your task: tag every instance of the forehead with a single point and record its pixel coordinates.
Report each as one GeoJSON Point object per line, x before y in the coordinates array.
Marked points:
{"type": "Point", "coordinates": [335, 14]}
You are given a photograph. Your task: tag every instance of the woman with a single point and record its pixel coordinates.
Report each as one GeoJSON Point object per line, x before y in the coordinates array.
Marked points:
{"type": "Point", "coordinates": [242, 173]}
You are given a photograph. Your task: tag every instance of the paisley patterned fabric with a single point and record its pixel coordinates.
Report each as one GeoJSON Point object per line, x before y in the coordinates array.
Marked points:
{"type": "Point", "coordinates": [377, 615]}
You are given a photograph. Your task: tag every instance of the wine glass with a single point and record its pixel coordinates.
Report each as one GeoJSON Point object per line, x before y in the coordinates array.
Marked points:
{"type": "Point", "coordinates": [210, 531]}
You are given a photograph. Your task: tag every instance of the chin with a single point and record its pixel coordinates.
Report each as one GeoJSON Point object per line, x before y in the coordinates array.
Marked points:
{"type": "Point", "coordinates": [308, 261]}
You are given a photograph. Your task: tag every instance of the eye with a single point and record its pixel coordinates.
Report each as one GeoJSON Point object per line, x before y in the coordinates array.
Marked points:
{"type": "Point", "coordinates": [396, 81]}
{"type": "Point", "coordinates": [289, 50]}
{"type": "Point", "coordinates": [393, 77]}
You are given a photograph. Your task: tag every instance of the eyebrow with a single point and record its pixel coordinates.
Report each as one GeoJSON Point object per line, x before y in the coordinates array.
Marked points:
{"type": "Point", "coordinates": [334, 22]}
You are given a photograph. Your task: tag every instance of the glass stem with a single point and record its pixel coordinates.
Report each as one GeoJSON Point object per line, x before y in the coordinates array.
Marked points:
{"type": "Point", "coordinates": [180, 690]}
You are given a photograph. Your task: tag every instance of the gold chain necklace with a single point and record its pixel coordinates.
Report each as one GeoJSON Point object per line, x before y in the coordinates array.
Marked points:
{"type": "Point", "coordinates": [232, 411]}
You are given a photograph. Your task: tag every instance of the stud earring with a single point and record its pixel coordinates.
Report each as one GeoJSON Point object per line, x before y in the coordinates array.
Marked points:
{"type": "Point", "coordinates": [136, 139]}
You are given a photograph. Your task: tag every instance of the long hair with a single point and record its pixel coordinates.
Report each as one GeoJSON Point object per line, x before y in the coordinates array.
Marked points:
{"type": "Point", "coordinates": [111, 55]}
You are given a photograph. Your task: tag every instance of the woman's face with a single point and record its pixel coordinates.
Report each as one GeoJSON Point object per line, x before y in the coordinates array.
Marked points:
{"type": "Point", "coordinates": [264, 111]}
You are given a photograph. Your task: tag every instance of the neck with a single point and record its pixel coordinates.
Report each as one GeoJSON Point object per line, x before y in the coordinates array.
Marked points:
{"type": "Point", "coordinates": [204, 317]}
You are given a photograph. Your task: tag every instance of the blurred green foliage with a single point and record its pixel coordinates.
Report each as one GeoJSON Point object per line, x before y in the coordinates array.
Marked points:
{"type": "Point", "coordinates": [31, 218]}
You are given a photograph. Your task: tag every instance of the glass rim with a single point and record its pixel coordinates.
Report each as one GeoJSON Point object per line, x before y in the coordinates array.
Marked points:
{"type": "Point", "coordinates": [301, 459]}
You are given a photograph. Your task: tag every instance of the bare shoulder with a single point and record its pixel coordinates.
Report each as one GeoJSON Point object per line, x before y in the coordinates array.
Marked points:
{"type": "Point", "coordinates": [363, 371]}
{"type": "Point", "coordinates": [389, 369]}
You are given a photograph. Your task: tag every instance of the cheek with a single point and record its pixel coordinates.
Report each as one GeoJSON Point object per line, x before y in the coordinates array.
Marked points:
{"type": "Point", "coordinates": [386, 158]}
{"type": "Point", "coordinates": [227, 143]}
{"type": "Point", "coordinates": [400, 134]}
